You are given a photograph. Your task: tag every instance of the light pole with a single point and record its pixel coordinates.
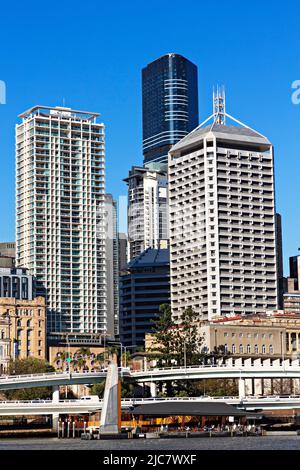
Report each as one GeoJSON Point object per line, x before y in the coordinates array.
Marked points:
{"type": "Point", "coordinates": [282, 347]}
{"type": "Point", "coordinates": [125, 349]}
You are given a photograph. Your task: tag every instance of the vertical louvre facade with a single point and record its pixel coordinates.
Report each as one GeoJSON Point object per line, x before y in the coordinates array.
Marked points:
{"type": "Point", "coordinates": [60, 225]}
{"type": "Point", "coordinates": [222, 223]}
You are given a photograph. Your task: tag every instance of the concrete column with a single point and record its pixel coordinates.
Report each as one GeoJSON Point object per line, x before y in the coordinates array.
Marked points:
{"type": "Point", "coordinates": [55, 393]}
{"type": "Point", "coordinates": [111, 408]}
{"type": "Point", "coordinates": [257, 387]}
{"type": "Point", "coordinates": [249, 386]}
{"type": "Point", "coordinates": [242, 389]}
{"type": "Point", "coordinates": [153, 389]}
{"type": "Point", "coordinates": [55, 418]}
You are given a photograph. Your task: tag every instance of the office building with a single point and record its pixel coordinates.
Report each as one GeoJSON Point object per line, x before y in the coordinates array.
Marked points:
{"type": "Point", "coordinates": [60, 223]}
{"type": "Point", "coordinates": [291, 298]}
{"type": "Point", "coordinates": [170, 106]}
{"type": "Point", "coordinates": [223, 253]}
{"type": "Point", "coordinates": [123, 252]}
{"type": "Point", "coordinates": [112, 264]}
{"type": "Point", "coordinates": [143, 289]}
{"type": "Point", "coordinates": [147, 210]}
{"type": "Point", "coordinates": [7, 254]}
{"type": "Point", "coordinates": [281, 279]}
{"type": "Point", "coordinates": [23, 329]}
{"type": "Point", "coordinates": [293, 279]}
{"type": "Point", "coordinates": [17, 283]}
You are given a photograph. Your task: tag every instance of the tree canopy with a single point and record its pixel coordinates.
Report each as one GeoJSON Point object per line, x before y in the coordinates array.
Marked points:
{"type": "Point", "coordinates": [30, 365]}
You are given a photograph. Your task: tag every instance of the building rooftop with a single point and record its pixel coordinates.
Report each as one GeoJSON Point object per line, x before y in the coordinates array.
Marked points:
{"type": "Point", "coordinates": [157, 256]}
{"type": "Point", "coordinates": [52, 110]}
{"type": "Point", "coordinates": [222, 132]}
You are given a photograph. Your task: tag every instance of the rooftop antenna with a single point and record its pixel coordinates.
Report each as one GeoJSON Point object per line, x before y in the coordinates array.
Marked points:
{"type": "Point", "coordinates": [64, 102]}
{"type": "Point", "coordinates": [219, 106]}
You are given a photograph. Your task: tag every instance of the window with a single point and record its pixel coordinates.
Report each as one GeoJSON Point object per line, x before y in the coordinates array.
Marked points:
{"type": "Point", "coordinates": [241, 349]}
{"type": "Point", "coordinates": [225, 335]}
{"type": "Point", "coordinates": [263, 349]}
{"type": "Point", "coordinates": [256, 349]}
{"type": "Point", "coordinates": [248, 349]}
{"type": "Point", "coordinates": [233, 349]}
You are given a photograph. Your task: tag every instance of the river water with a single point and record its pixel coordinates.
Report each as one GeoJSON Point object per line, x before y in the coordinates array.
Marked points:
{"type": "Point", "coordinates": [221, 443]}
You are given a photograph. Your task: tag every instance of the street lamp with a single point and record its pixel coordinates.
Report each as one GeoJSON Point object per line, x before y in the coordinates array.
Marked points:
{"type": "Point", "coordinates": [125, 349]}
{"type": "Point", "coordinates": [282, 347]}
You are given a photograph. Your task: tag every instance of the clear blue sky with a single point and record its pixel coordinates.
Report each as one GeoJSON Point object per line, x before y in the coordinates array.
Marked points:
{"type": "Point", "coordinates": [91, 53]}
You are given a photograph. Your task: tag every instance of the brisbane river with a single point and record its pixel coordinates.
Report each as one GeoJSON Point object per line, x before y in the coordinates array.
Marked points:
{"type": "Point", "coordinates": [221, 443]}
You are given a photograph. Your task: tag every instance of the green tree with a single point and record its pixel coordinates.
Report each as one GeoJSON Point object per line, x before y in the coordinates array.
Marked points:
{"type": "Point", "coordinates": [177, 344]}
{"type": "Point", "coordinates": [98, 389]}
{"type": "Point", "coordinates": [29, 365]}
{"type": "Point", "coordinates": [163, 348]}
{"type": "Point", "coordinates": [188, 342]}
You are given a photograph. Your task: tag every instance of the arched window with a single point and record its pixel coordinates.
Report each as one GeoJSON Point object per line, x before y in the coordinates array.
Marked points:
{"type": "Point", "coordinates": [271, 349]}
{"type": "Point", "coordinates": [248, 349]}
{"type": "Point", "coordinates": [256, 349]}
{"type": "Point", "coordinates": [233, 349]}
{"type": "Point", "coordinates": [226, 348]}
{"type": "Point", "coordinates": [19, 323]}
{"type": "Point", "coordinates": [241, 349]}
{"type": "Point", "coordinates": [263, 349]}
{"type": "Point", "coordinates": [28, 323]}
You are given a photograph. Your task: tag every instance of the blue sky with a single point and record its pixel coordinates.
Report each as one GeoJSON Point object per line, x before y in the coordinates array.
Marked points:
{"type": "Point", "coordinates": [90, 54]}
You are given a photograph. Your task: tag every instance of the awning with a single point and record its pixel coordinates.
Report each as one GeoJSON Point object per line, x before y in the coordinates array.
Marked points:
{"type": "Point", "coordinates": [188, 408]}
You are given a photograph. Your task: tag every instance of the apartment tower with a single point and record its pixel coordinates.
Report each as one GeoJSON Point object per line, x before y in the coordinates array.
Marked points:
{"type": "Point", "coordinates": [60, 226]}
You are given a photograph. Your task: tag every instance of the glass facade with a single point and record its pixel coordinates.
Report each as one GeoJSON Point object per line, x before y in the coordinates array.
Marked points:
{"type": "Point", "coordinates": [170, 105]}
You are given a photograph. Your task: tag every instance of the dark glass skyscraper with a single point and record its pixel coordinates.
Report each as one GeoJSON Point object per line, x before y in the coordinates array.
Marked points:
{"type": "Point", "coordinates": [170, 105]}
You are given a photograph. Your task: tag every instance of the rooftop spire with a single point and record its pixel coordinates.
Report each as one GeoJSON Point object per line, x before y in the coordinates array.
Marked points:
{"type": "Point", "coordinates": [219, 105]}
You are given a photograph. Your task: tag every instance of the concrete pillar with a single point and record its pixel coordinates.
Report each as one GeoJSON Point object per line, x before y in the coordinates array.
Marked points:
{"type": "Point", "coordinates": [242, 389]}
{"type": "Point", "coordinates": [267, 386]}
{"type": "Point", "coordinates": [111, 408]}
{"type": "Point", "coordinates": [55, 393]}
{"type": "Point", "coordinates": [55, 418]}
{"type": "Point", "coordinates": [249, 387]}
{"type": "Point", "coordinates": [257, 387]}
{"type": "Point", "coordinates": [229, 362]}
{"type": "Point", "coordinates": [153, 389]}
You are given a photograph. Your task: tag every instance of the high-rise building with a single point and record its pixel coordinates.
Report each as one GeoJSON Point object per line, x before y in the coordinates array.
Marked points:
{"type": "Point", "coordinates": [7, 254]}
{"type": "Point", "coordinates": [170, 106]}
{"type": "Point", "coordinates": [60, 226]}
{"type": "Point", "coordinates": [16, 283]}
{"type": "Point", "coordinates": [123, 252]}
{"type": "Point", "coordinates": [223, 253]}
{"type": "Point", "coordinates": [281, 279]}
{"type": "Point", "coordinates": [147, 210]}
{"type": "Point", "coordinates": [144, 287]}
{"type": "Point", "coordinates": [294, 279]}
{"type": "Point", "coordinates": [112, 264]}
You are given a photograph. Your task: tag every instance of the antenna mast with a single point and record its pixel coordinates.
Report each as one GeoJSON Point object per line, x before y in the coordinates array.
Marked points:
{"type": "Point", "coordinates": [219, 104]}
